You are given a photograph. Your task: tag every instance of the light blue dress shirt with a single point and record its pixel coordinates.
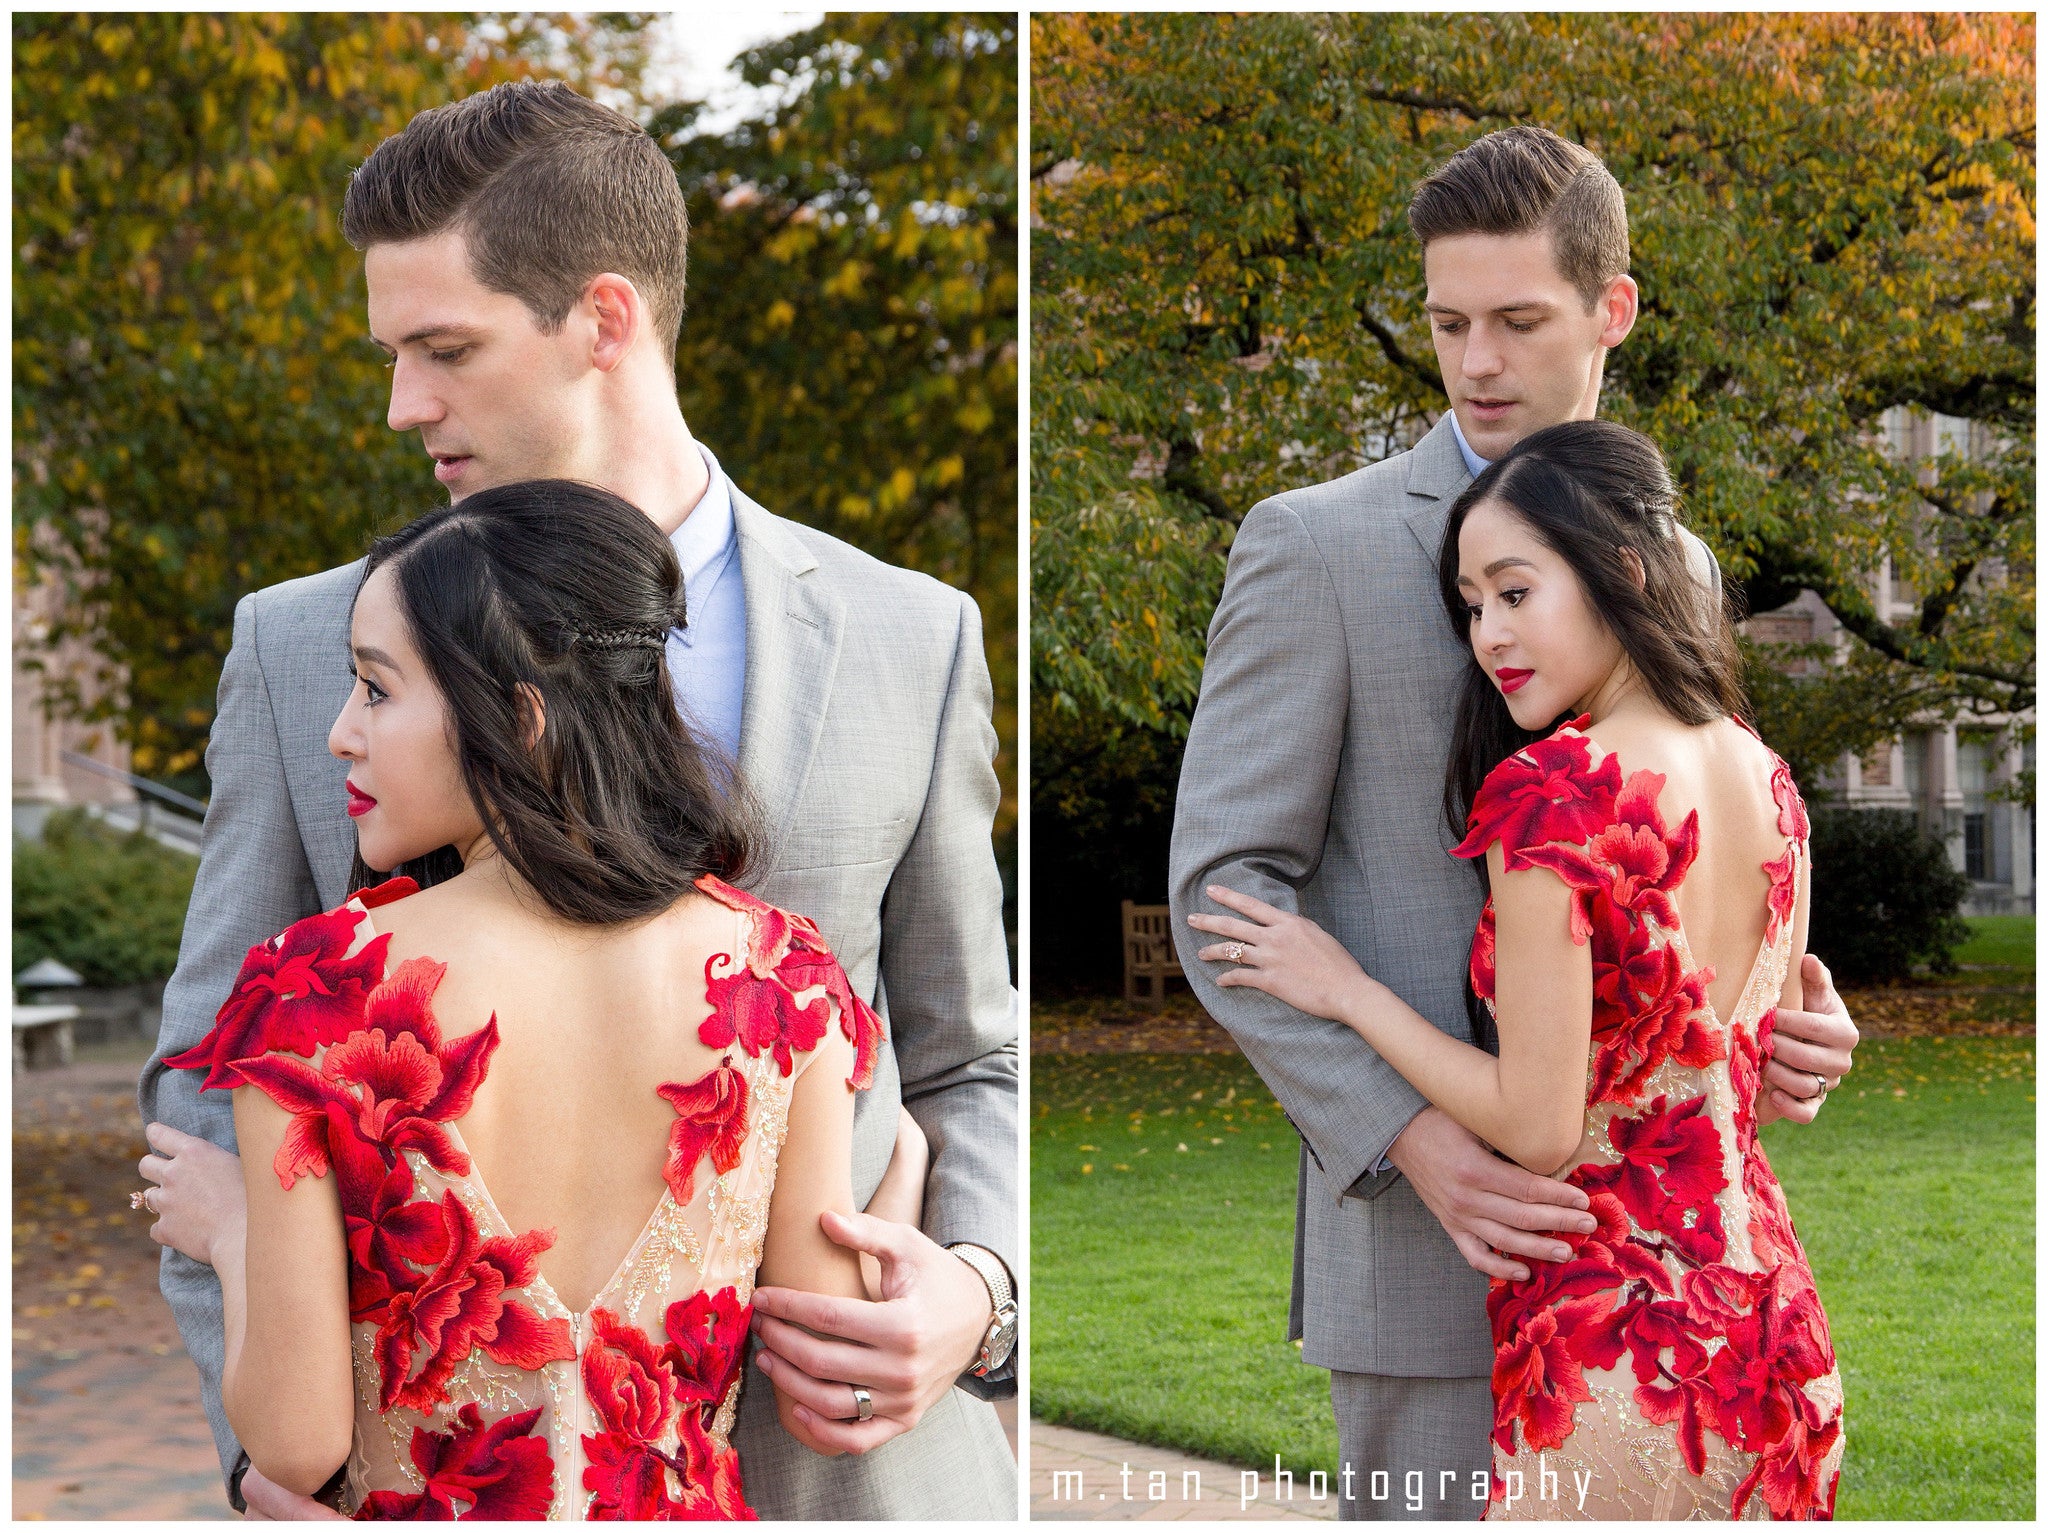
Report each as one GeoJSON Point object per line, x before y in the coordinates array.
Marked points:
{"type": "Point", "coordinates": [1475, 466]}
{"type": "Point", "coordinates": [707, 659]}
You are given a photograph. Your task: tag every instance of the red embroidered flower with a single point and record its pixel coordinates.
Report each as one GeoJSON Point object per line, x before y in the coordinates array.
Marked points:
{"type": "Point", "coordinates": [1536, 1380]}
{"type": "Point", "coordinates": [1669, 1175]}
{"type": "Point", "coordinates": [1633, 861]}
{"type": "Point", "coordinates": [1745, 1077]}
{"type": "Point", "coordinates": [295, 992]}
{"type": "Point", "coordinates": [1657, 1018]}
{"type": "Point", "coordinates": [394, 1090]}
{"type": "Point", "coordinates": [462, 1306]}
{"type": "Point", "coordinates": [635, 1395]}
{"type": "Point", "coordinates": [1791, 807]}
{"type": "Point", "coordinates": [760, 1014]}
{"type": "Point", "coordinates": [499, 1472]}
{"type": "Point", "coordinates": [707, 1336]}
{"type": "Point", "coordinates": [1483, 954]}
{"type": "Point", "coordinates": [787, 951]}
{"type": "Point", "coordinates": [711, 1115]}
{"type": "Point", "coordinates": [1784, 895]}
{"type": "Point", "coordinates": [1548, 791]}
{"type": "Point", "coordinates": [393, 1241]}
{"type": "Point", "coordinates": [1788, 1473]}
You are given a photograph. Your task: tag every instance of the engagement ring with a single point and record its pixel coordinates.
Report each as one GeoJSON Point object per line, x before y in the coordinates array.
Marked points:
{"type": "Point", "coordinates": [1234, 951]}
{"type": "Point", "coordinates": [140, 1199]}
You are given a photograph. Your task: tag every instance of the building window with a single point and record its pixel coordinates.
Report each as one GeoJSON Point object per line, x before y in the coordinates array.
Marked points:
{"type": "Point", "coordinates": [1877, 766]}
{"type": "Point", "coordinates": [1976, 862]}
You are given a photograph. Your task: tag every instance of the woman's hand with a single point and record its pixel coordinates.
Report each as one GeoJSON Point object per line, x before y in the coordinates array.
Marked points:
{"type": "Point", "coordinates": [198, 1199]}
{"type": "Point", "coordinates": [1289, 957]}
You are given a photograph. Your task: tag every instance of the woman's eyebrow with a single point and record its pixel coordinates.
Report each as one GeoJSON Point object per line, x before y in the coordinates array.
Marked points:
{"type": "Point", "coordinates": [1500, 564]}
{"type": "Point", "coordinates": [376, 657]}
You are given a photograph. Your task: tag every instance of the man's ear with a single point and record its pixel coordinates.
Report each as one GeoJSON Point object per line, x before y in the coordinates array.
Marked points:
{"type": "Point", "coordinates": [620, 314]}
{"type": "Point", "coordinates": [533, 714]}
{"type": "Point", "coordinates": [1617, 308]}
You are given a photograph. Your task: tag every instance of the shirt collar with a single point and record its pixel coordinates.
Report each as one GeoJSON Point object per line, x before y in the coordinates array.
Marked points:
{"type": "Point", "coordinates": [706, 535]}
{"type": "Point", "coordinates": [1474, 464]}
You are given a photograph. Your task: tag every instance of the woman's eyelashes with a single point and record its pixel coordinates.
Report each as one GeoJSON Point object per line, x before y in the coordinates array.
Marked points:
{"type": "Point", "coordinates": [373, 693]}
{"type": "Point", "coordinates": [1512, 597]}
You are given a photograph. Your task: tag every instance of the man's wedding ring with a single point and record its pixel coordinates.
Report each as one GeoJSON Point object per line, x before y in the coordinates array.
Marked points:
{"type": "Point", "coordinates": [1234, 951]}
{"type": "Point", "coordinates": [1820, 1085]}
{"type": "Point", "coordinates": [140, 1199]}
{"type": "Point", "coordinates": [863, 1403]}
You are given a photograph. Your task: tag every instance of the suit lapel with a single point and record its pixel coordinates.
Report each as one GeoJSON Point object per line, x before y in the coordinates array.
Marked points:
{"type": "Point", "coordinates": [794, 631]}
{"type": "Point", "coordinates": [1436, 476]}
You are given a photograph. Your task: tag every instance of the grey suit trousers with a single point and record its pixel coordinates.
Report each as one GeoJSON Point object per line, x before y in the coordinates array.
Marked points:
{"type": "Point", "coordinates": [1417, 1448]}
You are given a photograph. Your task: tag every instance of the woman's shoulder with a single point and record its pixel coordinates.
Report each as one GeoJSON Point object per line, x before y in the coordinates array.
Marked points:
{"type": "Point", "coordinates": [760, 1003]}
{"type": "Point", "coordinates": [1560, 788]}
{"type": "Point", "coordinates": [299, 990]}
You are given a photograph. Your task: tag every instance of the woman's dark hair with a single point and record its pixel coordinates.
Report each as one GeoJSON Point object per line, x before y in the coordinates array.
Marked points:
{"type": "Point", "coordinates": [1592, 491]}
{"type": "Point", "coordinates": [569, 590]}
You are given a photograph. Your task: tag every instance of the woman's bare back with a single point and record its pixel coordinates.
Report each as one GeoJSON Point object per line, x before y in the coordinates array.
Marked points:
{"type": "Point", "coordinates": [567, 1131]}
{"type": "Point", "coordinates": [1723, 772]}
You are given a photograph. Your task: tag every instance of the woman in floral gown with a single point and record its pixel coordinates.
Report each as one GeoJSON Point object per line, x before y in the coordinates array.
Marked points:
{"type": "Point", "coordinates": [1646, 861]}
{"type": "Point", "coordinates": [522, 1125]}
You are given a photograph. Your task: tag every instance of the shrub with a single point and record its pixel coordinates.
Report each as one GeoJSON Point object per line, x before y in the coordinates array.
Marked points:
{"type": "Point", "coordinates": [1884, 897]}
{"type": "Point", "coordinates": [110, 905]}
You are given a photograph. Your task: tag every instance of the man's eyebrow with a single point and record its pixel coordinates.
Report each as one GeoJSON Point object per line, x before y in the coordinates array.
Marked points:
{"type": "Point", "coordinates": [452, 332]}
{"type": "Point", "coordinates": [376, 657]}
{"type": "Point", "coordinates": [1500, 308]}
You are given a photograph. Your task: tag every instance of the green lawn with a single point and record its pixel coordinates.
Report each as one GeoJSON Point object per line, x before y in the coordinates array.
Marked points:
{"type": "Point", "coordinates": [1162, 1215]}
{"type": "Point", "coordinates": [2000, 941]}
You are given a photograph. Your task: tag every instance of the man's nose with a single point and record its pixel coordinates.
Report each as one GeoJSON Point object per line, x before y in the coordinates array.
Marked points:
{"type": "Point", "coordinates": [412, 403]}
{"type": "Point", "coordinates": [1482, 357]}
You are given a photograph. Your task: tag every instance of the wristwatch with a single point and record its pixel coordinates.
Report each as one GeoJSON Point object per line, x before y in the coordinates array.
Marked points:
{"type": "Point", "coordinates": [1001, 1337]}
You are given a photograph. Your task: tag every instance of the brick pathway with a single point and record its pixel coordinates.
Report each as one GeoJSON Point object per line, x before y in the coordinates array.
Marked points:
{"type": "Point", "coordinates": [1080, 1476]}
{"type": "Point", "coordinates": [107, 1420]}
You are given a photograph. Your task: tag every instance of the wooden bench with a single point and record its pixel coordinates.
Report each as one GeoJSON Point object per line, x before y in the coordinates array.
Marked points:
{"type": "Point", "coordinates": [42, 1036]}
{"type": "Point", "coordinates": [1148, 952]}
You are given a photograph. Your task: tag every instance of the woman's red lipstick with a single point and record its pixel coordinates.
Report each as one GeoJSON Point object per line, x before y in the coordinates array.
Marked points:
{"type": "Point", "coordinates": [359, 802]}
{"type": "Point", "coordinates": [1510, 678]}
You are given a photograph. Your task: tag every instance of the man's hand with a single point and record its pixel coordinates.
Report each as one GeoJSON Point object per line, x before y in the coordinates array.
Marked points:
{"type": "Point", "coordinates": [906, 1350]}
{"type": "Point", "coordinates": [198, 1199]}
{"type": "Point", "coordinates": [1816, 1041]}
{"type": "Point", "coordinates": [1483, 1201]}
{"type": "Point", "coordinates": [271, 1502]}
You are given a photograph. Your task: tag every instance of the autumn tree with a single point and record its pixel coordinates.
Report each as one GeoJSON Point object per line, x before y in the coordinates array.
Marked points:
{"type": "Point", "coordinates": [197, 409]}
{"type": "Point", "coordinates": [1832, 217]}
{"type": "Point", "coordinates": [851, 342]}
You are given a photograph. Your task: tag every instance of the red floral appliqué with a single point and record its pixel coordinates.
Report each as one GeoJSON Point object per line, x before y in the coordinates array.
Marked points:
{"type": "Point", "coordinates": [711, 1115]}
{"type": "Point", "coordinates": [757, 1006]}
{"type": "Point", "coordinates": [295, 992]}
{"type": "Point", "coordinates": [499, 1473]}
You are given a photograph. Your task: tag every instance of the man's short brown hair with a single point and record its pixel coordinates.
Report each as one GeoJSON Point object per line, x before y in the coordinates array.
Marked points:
{"type": "Point", "coordinates": [548, 188]}
{"type": "Point", "coordinates": [1521, 179]}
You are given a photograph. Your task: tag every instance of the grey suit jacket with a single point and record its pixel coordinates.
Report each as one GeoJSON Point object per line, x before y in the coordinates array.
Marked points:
{"type": "Point", "coordinates": [1313, 779]}
{"type": "Point", "coordinates": [866, 737]}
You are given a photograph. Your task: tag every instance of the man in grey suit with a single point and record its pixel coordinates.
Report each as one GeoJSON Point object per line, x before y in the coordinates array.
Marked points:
{"type": "Point", "coordinates": [1313, 780]}
{"type": "Point", "coordinates": [524, 254]}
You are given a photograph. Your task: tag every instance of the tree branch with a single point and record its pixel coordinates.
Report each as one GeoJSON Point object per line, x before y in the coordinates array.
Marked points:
{"type": "Point", "coordinates": [1422, 373]}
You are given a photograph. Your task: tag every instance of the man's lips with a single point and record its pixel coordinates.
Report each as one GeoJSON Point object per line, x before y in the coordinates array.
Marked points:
{"type": "Point", "coordinates": [359, 802]}
{"type": "Point", "coordinates": [1510, 679]}
{"type": "Point", "coordinates": [448, 467]}
{"type": "Point", "coordinates": [1490, 409]}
